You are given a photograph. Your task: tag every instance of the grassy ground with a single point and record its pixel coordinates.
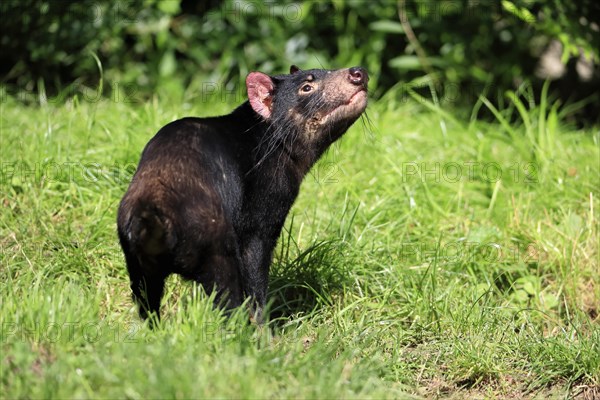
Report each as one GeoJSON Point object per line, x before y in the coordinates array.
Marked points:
{"type": "Point", "coordinates": [425, 257]}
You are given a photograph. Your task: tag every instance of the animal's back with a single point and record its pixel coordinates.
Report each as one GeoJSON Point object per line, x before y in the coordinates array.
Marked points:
{"type": "Point", "coordinates": [187, 185]}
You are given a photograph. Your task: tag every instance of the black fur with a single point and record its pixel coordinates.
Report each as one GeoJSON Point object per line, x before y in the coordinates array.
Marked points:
{"type": "Point", "coordinates": [210, 195]}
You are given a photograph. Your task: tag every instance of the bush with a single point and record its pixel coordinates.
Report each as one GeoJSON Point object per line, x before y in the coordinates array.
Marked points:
{"type": "Point", "coordinates": [461, 46]}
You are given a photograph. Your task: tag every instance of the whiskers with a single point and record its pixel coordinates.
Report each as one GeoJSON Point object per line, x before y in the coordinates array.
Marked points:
{"type": "Point", "coordinates": [286, 132]}
{"type": "Point", "coordinates": [368, 126]}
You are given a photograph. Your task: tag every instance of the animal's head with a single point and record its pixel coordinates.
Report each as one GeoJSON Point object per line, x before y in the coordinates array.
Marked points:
{"type": "Point", "coordinates": [314, 106]}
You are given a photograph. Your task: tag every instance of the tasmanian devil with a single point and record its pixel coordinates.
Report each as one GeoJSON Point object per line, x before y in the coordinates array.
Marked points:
{"type": "Point", "coordinates": [210, 195]}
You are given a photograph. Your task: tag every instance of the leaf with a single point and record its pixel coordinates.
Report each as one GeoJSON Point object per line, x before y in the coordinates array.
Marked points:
{"type": "Point", "coordinates": [521, 13]}
{"type": "Point", "coordinates": [529, 288]}
{"type": "Point", "coordinates": [405, 62]}
{"type": "Point", "coordinates": [167, 64]}
{"type": "Point", "coordinates": [549, 300]}
{"type": "Point", "coordinates": [528, 284]}
{"type": "Point", "coordinates": [483, 235]}
{"type": "Point", "coordinates": [387, 26]}
{"type": "Point", "coordinates": [413, 62]}
{"type": "Point", "coordinates": [520, 296]}
{"type": "Point", "coordinates": [168, 7]}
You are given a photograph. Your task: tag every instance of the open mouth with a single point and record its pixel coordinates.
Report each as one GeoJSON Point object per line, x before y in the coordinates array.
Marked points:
{"type": "Point", "coordinates": [355, 105]}
{"type": "Point", "coordinates": [359, 93]}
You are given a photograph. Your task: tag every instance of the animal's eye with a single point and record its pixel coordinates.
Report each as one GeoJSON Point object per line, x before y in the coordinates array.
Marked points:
{"type": "Point", "coordinates": [306, 88]}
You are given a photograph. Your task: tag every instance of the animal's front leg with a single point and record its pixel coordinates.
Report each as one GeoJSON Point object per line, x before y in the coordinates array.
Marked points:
{"type": "Point", "coordinates": [256, 260]}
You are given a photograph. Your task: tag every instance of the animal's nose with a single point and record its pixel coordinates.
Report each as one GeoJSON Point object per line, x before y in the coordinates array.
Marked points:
{"type": "Point", "coordinates": [358, 76]}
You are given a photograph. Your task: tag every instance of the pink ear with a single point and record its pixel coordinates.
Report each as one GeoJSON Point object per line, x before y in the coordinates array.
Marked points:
{"type": "Point", "coordinates": [260, 93]}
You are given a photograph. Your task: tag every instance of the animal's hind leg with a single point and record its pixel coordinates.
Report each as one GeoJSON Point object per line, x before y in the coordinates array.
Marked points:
{"type": "Point", "coordinates": [147, 292]}
{"type": "Point", "coordinates": [147, 288]}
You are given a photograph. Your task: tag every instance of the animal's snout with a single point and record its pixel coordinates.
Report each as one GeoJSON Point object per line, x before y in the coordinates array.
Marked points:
{"type": "Point", "coordinates": [358, 76]}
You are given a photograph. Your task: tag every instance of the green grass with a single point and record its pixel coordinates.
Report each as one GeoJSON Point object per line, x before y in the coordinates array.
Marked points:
{"type": "Point", "coordinates": [408, 266]}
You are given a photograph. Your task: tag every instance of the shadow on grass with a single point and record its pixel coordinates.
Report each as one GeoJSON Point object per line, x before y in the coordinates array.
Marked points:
{"type": "Point", "coordinates": [307, 282]}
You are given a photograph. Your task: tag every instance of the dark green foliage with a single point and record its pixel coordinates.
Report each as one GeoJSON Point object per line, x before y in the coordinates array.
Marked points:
{"type": "Point", "coordinates": [468, 47]}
